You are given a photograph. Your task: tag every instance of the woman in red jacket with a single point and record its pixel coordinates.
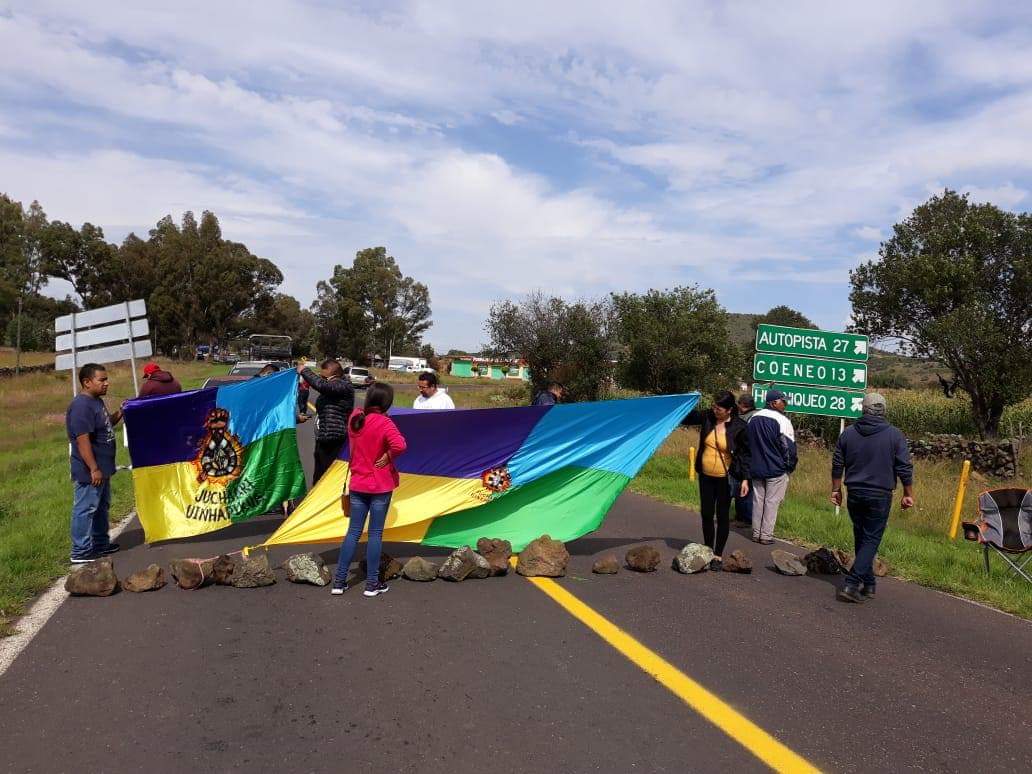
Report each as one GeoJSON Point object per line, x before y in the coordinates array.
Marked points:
{"type": "Point", "coordinates": [374, 442]}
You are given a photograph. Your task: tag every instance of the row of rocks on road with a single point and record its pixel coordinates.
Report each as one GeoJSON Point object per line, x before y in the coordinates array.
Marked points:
{"type": "Point", "coordinates": [543, 557]}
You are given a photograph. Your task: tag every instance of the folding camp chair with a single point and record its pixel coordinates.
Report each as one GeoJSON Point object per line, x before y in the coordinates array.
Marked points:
{"type": "Point", "coordinates": [1005, 526]}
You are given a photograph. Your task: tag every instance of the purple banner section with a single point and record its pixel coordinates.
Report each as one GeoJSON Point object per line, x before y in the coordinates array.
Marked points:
{"type": "Point", "coordinates": [169, 428]}
{"type": "Point", "coordinates": [462, 443]}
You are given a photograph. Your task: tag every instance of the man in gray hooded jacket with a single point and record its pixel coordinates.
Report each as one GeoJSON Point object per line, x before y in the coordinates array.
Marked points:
{"type": "Point", "coordinates": [872, 454]}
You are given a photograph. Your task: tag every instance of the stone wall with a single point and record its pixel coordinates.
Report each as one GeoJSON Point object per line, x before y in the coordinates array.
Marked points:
{"type": "Point", "coordinates": [36, 369]}
{"type": "Point", "coordinates": [993, 458]}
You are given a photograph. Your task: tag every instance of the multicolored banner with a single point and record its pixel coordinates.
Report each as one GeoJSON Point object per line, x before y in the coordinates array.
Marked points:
{"type": "Point", "coordinates": [513, 473]}
{"type": "Point", "coordinates": [205, 459]}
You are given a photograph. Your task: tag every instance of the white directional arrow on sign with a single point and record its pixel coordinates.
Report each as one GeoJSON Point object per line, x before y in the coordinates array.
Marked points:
{"type": "Point", "coordinates": [859, 347]}
{"type": "Point", "coordinates": [859, 375]}
{"type": "Point", "coordinates": [857, 404]}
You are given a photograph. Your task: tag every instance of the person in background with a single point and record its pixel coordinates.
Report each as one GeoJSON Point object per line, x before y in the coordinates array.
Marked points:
{"type": "Point", "coordinates": [266, 369]}
{"type": "Point", "coordinates": [157, 382]}
{"type": "Point", "coordinates": [375, 443]}
{"type": "Point", "coordinates": [772, 459]}
{"type": "Point", "coordinates": [332, 409]}
{"type": "Point", "coordinates": [430, 395]}
{"type": "Point", "coordinates": [724, 460]}
{"type": "Point", "coordinates": [303, 393]}
{"type": "Point", "coordinates": [552, 394]}
{"type": "Point", "coordinates": [90, 431]}
{"type": "Point", "coordinates": [743, 503]}
{"type": "Point", "coordinates": [872, 454]}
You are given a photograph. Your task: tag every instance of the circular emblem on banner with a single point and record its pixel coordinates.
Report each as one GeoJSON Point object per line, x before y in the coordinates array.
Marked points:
{"type": "Point", "coordinates": [220, 457]}
{"type": "Point", "coordinates": [496, 479]}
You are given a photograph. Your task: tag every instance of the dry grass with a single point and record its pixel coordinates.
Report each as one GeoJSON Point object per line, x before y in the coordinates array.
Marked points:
{"type": "Point", "coordinates": [8, 357]}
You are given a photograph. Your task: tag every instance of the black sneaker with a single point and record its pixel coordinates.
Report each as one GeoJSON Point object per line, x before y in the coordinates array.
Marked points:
{"type": "Point", "coordinates": [716, 565]}
{"type": "Point", "coordinates": [85, 558]}
{"type": "Point", "coordinates": [375, 589]}
{"type": "Point", "coordinates": [338, 588]}
{"type": "Point", "coordinates": [849, 594]}
{"type": "Point", "coordinates": [868, 592]}
{"type": "Point", "coordinates": [110, 548]}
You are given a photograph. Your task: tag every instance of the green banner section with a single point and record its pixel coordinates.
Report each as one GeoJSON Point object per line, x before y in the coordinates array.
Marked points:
{"type": "Point", "coordinates": [565, 505]}
{"type": "Point", "coordinates": [810, 343]}
{"type": "Point", "coordinates": [819, 401]}
{"type": "Point", "coordinates": [809, 370]}
{"type": "Point", "coordinates": [272, 475]}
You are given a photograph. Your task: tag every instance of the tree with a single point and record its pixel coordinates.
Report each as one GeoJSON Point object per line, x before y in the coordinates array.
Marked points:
{"type": "Point", "coordinates": [21, 264]}
{"type": "Point", "coordinates": [954, 283]}
{"type": "Point", "coordinates": [783, 315]}
{"type": "Point", "coordinates": [673, 341]}
{"type": "Point", "coordinates": [560, 341]}
{"type": "Point", "coordinates": [371, 306]}
{"type": "Point", "coordinates": [79, 256]}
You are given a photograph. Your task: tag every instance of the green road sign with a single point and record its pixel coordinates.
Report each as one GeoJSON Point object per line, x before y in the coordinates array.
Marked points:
{"type": "Point", "coordinates": [809, 370]}
{"type": "Point", "coordinates": [820, 401]}
{"type": "Point", "coordinates": [802, 341]}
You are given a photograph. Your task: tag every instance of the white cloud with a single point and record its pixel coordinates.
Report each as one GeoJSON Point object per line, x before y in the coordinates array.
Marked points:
{"type": "Point", "coordinates": [686, 140]}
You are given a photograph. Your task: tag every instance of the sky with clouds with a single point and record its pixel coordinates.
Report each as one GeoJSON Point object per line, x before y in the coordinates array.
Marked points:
{"type": "Point", "coordinates": [762, 149]}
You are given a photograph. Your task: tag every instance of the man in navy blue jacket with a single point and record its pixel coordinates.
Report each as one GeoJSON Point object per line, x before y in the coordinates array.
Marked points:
{"type": "Point", "coordinates": [773, 449]}
{"type": "Point", "coordinates": [873, 454]}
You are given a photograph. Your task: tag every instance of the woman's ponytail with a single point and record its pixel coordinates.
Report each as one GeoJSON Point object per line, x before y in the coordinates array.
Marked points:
{"type": "Point", "coordinates": [357, 422]}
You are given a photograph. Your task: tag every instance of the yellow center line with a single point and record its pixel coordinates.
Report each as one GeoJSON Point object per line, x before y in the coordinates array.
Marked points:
{"type": "Point", "coordinates": [709, 705]}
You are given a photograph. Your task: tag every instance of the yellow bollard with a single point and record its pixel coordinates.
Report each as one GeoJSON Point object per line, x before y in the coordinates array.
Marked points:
{"type": "Point", "coordinates": [691, 463]}
{"type": "Point", "coordinates": [958, 504]}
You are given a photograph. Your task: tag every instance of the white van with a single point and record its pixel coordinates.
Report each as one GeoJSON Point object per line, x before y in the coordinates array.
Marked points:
{"type": "Point", "coordinates": [407, 364]}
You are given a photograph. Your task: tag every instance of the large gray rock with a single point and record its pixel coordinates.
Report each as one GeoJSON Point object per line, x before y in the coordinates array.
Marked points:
{"type": "Point", "coordinates": [253, 572]}
{"type": "Point", "coordinates": [497, 553]}
{"type": "Point", "coordinates": [607, 565]}
{"type": "Point", "coordinates": [307, 568]}
{"type": "Point", "coordinates": [459, 564]}
{"type": "Point", "coordinates": [191, 573]}
{"type": "Point", "coordinates": [643, 559]}
{"type": "Point", "coordinates": [151, 579]}
{"type": "Point", "coordinates": [96, 579]}
{"type": "Point", "coordinates": [787, 563]}
{"type": "Point", "coordinates": [419, 569]}
{"type": "Point", "coordinates": [737, 561]}
{"type": "Point", "coordinates": [543, 557]}
{"type": "Point", "coordinates": [693, 558]}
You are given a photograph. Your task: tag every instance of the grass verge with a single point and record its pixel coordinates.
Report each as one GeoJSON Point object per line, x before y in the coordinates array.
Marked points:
{"type": "Point", "coordinates": [35, 491]}
{"type": "Point", "coordinates": [915, 544]}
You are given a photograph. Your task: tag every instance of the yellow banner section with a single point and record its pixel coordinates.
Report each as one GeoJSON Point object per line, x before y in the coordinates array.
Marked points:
{"type": "Point", "coordinates": [161, 491]}
{"type": "Point", "coordinates": [416, 502]}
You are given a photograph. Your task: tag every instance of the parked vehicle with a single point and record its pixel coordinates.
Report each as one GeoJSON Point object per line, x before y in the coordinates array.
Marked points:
{"type": "Point", "coordinates": [264, 346]}
{"type": "Point", "coordinates": [407, 364]}
{"type": "Point", "coordinates": [359, 377]}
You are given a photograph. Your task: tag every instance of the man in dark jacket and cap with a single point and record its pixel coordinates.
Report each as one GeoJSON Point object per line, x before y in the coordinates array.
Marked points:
{"type": "Point", "coordinates": [158, 382]}
{"type": "Point", "coordinates": [872, 454]}
{"type": "Point", "coordinates": [333, 409]}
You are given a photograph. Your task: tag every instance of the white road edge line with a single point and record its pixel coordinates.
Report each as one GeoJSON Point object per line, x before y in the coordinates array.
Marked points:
{"type": "Point", "coordinates": [29, 625]}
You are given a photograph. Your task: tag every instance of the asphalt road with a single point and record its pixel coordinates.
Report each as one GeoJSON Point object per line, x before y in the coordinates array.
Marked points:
{"type": "Point", "coordinates": [492, 675]}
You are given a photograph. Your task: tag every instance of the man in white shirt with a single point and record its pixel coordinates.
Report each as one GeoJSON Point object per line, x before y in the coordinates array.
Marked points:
{"type": "Point", "coordinates": [430, 397]}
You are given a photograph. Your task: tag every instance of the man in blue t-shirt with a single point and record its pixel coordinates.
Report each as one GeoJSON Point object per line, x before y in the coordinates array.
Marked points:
{"type": "Point", "coordinates": [92, 439]}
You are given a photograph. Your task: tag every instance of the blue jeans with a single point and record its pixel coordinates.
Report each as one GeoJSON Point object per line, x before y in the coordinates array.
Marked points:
{"type": "Point", "coordinates": [869, 512]}
{"type": "Point", "coordinates": [743, 505]}
{"type": "Point", "coordinates": [375, 507]}
{"type": "Point", "coordinates": [90, 505]}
